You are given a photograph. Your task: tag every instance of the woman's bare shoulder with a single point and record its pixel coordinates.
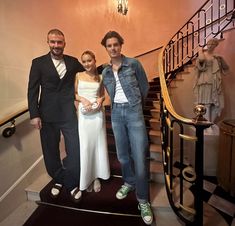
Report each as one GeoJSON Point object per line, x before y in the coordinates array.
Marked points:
{"type": "Point", "coordinates": [81, 76]}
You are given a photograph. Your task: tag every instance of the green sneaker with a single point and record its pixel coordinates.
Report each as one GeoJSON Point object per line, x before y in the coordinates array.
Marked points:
{"type": "Point", "coordinates": [123, 192]}
{"type": "Point", "coordinates": [146, 213]}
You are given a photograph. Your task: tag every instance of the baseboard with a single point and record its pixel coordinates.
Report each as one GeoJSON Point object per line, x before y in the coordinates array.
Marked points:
{"type": "Point", "coordinates": [16, 194]}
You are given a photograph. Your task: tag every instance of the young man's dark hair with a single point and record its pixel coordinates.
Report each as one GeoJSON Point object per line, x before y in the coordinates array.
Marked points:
{"type": "Point", "coordinates": [112, 34]}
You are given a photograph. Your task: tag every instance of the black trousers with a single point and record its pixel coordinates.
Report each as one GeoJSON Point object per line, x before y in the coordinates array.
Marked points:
{"type": "Point", "coordinates": [64, 171]}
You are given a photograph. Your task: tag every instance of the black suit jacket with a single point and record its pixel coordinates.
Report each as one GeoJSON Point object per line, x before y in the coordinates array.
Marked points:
{"type": "Point", "coordinates": [49, 97]}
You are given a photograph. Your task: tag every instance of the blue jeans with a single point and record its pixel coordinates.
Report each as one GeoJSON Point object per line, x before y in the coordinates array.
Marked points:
{"type": "Point", "coordinates": [132, 145]}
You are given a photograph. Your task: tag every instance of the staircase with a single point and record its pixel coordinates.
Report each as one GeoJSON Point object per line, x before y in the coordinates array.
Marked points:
{"type": "Point", "coordinates": [158, 197]}
{"type": "Point", "coordinates": [153, 121]}
{"type": "Point", "coordinates": [163, 213]}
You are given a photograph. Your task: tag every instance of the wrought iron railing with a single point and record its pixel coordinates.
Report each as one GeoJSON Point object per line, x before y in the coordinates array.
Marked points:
{"type": "Point", "coordinates": [184, 189]}
{"type": "Point", "coordinates": [209, 21]}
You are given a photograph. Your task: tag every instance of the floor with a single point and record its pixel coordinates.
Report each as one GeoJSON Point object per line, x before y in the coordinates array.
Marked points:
{"type": "Point", "coordinates": [20, 215]}
{"type": "Point", "coordinates": [216, 197]}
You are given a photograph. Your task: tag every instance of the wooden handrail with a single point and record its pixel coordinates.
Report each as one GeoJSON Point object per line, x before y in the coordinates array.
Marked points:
{"type": "Point", "coordinates": [11, 115]}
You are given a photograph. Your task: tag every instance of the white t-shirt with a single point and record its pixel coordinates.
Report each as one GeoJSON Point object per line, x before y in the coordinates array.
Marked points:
{"type": "Point", "coordinates": [60, 67]}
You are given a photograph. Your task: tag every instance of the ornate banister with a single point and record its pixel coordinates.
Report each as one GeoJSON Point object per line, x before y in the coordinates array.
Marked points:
{"type": "Point", "coordinates": [209, 21]}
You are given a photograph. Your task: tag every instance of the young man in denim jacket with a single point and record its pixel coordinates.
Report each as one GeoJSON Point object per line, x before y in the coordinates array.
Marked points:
{"type": "Point", "coordinates": [127, 85]}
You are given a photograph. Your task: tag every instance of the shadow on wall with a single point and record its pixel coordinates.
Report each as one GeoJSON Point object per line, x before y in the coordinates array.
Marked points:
{"type": "Point", "coordinates": [23, 130]}
{"type": "Point", "coordinates": [18, 152]}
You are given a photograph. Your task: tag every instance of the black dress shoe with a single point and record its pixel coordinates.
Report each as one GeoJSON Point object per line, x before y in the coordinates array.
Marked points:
{"type": "Point", "coordinates": [55, 190]}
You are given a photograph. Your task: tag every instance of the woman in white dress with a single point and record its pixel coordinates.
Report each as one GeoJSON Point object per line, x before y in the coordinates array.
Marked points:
{"type": "Point", "coordinates": [89, 93]}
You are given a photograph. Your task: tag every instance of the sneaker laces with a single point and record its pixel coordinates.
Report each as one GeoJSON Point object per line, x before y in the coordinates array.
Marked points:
{"type": "Point", "coordinates": [124, 189]}
{"type": "Point", "coordinates": [145, 209]}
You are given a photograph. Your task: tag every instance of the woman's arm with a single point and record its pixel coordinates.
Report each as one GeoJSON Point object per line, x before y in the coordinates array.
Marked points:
{"type": "Point", "coordinates": [101, 96]}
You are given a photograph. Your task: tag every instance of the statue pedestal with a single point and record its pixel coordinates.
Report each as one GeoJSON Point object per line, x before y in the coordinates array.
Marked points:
{"type": "Point", "coordinates": [211, 146]}
{"type": "Point", "coordinates": [211, 149]}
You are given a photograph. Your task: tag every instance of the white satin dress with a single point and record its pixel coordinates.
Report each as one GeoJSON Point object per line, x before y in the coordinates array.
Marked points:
{"type": "Point", "coordinates": [93, 140]}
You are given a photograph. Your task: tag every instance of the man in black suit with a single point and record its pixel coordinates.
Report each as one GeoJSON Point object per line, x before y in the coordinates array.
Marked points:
{"type": "Point", "coordinates": [52, 111]}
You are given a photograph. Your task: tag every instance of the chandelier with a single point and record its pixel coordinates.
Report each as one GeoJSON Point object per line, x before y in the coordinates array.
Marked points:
{"type": "Point", "coordinates": [122, 6]}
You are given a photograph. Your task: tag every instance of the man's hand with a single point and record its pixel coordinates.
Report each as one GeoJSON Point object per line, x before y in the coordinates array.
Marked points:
{"type": "Point", "coordinates": [36, 123]}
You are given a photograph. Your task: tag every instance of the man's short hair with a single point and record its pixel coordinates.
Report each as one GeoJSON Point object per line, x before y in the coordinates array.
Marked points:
{"type": "Point", "coordinates": [55, 32]}
{"type": "Point", "coordinates": [112, 34]}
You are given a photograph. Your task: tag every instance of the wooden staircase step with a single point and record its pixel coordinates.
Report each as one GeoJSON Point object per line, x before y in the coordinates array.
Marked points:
{"type": "Point", "coordinates": [156, 104]}
{"type": "Point", "coordinates": [155, 113]}
{"type": "Point", "coordinates": [151, 99]}
{"type": "Point", "coordinates": [178, 78]}
{"type": "Point", "coordinates": [155, 88]}
{"type": "Point", "coordinates": [180, 75]}
{"type": "Point", "coordinates": [32, 191]}
{"type": "Point", "coordinates": [155, 133]}
{"type": "Point", "coordinates": [156, 167]}
{"type": "Point", "coordinates": [155, 152]}
{"type": "Point", "coordinates": [156, 171]}
{"type": "Point", "coordinates": [155, 148]}
{"type": "Point", "coordinates": [173, 83]}
{"type": "Point", "coordinates": [154, 123]}
{"type": "Point", "coordinates": [153, 94]}
{"type": "Point", "coordinates": [154, 120]}
{"type": "Point", "coordinates": [147, 110]}
{"type": "Point", "coordinates": [155, 136]}
{"type": "Point", "coordinates": [148, 103]}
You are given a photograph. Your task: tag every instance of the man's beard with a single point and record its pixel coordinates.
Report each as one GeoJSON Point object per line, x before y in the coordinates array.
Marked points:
{"type": "Point", "coordinates": [57, 52]}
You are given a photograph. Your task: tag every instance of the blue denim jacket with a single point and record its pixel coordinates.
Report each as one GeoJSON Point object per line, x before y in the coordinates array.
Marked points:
{"type": "Point", "coordinates": [132, 78]}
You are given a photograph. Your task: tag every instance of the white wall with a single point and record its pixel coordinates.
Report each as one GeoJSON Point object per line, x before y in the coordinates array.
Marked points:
{"type": "Point", "coordinates": [18, 154]}
{"type": "Point", "coordinates": [25, 23]}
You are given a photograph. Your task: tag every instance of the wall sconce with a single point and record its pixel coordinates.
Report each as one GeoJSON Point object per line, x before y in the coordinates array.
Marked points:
{"type": "Point", "coordinates": [122, 6]}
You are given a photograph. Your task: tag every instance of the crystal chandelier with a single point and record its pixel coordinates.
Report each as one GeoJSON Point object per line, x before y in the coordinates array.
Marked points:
{"type": "Point", "coordinates": [122, 6]}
